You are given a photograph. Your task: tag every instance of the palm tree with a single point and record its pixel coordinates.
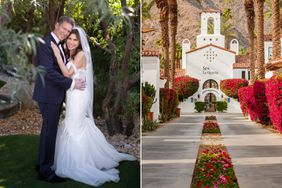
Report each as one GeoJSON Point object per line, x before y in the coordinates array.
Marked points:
{"type": "Point", "coordinates": [276, 50]}
{"type": "Point", "coordinates": [260, 37]}
{"type": "Point", "coordinates": [163, 6]}
{"type": "Point", "coordinates": [250, 12]}
{"type": "Point", "coordinates": [172, 4]}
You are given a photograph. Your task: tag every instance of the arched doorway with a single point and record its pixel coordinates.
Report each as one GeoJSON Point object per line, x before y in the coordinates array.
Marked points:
{"type": "Point", "coordinates": [210, 102]}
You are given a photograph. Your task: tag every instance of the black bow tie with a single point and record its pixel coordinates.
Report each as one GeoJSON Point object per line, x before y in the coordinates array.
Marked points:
{"type": "Point", "coordinates": [60, 43]}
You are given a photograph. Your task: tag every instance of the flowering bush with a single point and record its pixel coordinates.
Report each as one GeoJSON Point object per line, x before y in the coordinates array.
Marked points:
{"type": "Point", "coordinates": [168, 103]}
{"type": "Point", "coordinates": [214, 168]}
{"type": "Point", "coordinates": [261, 107]}
{"type": "Point", "coordinates": [210, 118]}
{"type": "Point", "coordinates": [211, 127]}
{"type": "Point", "coordinates": [247, 102]}
{"type": "Point", "coordinates": [231, 86]}
{"type": "Point", "coordinates": [274, 98]}
{"type": "Point", "coordinates": [243, 100]}
{"type": "Point", "coordinates": [186, 86]}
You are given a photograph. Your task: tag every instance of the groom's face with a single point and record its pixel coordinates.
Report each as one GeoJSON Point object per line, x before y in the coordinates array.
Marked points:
{"type": "Point", "coordinates": [62, 30]}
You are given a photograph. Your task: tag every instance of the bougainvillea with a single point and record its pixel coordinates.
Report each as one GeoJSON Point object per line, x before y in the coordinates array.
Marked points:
{"type": "Point", "coordinates": [231, 86]}
{"type": "Point", "coordinates": [243, 100]}
{"type": "Point", "coordinates": [274, 97]}
{"type": "Point", "coordinates": [247, 100]}
{"type": "Point", "coordinates": [261, 108]}
{"type": "Point", "coordinates": [185, 86]}
{"type": "Point", "coordinates": [168, 103]}
{"type": "Point", "coordinates": [214, 168]}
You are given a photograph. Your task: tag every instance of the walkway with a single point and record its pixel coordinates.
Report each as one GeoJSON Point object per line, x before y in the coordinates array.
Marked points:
{"type": "Point", "coordinates": [169, 153]}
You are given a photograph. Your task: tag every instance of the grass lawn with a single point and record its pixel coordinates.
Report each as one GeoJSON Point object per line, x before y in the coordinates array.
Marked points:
{"type": "Point", "coordinates": [18, 156]}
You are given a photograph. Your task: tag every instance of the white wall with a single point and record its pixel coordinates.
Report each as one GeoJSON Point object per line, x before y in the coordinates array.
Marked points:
{"type": "Point", "coordinates": [234, 46]}
{"type": "Point", "coordinates": [151, 74]}
{"type": "Point", "coordinates": [217, 40]}
{"type": "Point", "coordinates": [185, 48]}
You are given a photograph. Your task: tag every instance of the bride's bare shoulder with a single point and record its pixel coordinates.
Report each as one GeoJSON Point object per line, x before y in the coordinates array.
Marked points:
{"type": "Point", "coordinates": [79, 59]}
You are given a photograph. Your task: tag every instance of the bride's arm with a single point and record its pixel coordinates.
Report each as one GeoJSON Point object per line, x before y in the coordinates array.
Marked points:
{"type": "Point", "coordinates": [66, 72]}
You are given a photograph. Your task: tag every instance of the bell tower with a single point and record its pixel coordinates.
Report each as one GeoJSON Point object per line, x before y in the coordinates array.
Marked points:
{"type": "Point", "coordinates": [210, 29]}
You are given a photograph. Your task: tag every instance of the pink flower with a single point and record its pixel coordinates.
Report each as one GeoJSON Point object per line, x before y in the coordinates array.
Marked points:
{"type": "Point", "coordinates": [222, 179]}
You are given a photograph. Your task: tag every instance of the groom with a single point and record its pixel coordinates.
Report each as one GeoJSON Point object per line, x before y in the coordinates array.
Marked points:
{"type": "Point", "coordinates": [50, 94]}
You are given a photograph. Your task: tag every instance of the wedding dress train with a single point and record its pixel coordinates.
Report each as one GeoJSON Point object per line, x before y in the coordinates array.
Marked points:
{"type": "Point", "coordinates": [82, 152]}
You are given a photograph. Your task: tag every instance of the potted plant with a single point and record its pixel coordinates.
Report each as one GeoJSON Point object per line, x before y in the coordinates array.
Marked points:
{"type": "Point", "coordinates": [148, 99]}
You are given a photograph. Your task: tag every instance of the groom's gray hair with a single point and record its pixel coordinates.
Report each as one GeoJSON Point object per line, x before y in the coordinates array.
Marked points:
{"type": "Point", "coordinates": [67, 19]}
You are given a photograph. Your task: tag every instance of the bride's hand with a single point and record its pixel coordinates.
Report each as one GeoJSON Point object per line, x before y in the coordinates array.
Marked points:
{"type": "Point", "coordinates": [55, 49]}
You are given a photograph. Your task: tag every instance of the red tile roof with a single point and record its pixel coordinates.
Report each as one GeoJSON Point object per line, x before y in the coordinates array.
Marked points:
{"type": "Point", "coordinates": [150, 53]}
{"type": "Point", "coordinates": [178, 73]}
{"type": "Point", "coordinates": [213, 46]}
{"type": "Point", "coordinates": [274, 65]}
{"type": "Point", "coordinates": [242, 62]}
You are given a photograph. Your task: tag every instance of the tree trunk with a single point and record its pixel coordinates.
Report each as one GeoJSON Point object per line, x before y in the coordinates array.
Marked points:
{"type": "Point", "coordinates": [163, 6]}
{"type": "Point", "coordinates": [53, 12]}
{"type": "Point", "coordinates": [276, 50]}
{"type": "Point", "coordinates": [250, 12]}
{"type": "Point", "coordinates": [260, 37]}
{"type": "Point", "coordinates": [172, 4]}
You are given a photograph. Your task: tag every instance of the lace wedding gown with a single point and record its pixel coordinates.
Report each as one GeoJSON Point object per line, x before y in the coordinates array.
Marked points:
{"type": "Point", "coordinates": [82, 152]}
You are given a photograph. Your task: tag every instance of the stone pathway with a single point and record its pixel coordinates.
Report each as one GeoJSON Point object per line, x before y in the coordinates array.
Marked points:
{"type": "Point", "coordinates": [169, 153]}
{"type": "Point", "coordinates": [256, 152]}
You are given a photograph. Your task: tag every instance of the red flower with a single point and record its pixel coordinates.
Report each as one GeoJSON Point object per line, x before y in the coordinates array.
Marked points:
{"type": "Point", "coordinates": [231, 86]}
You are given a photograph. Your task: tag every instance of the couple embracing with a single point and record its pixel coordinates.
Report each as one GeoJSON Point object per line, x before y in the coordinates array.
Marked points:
{"type": "Point", "coordinates": [74, 148]}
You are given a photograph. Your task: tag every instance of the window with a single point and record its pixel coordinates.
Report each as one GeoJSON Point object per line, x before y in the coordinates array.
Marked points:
{"type": "Point", "coordinates": [244, 74]}
{"type": "Point", "coordinates": [269, 52]}
{"type": "Point", "coordinates": [249, 75]}
{"type": "Point", "coordinates": [210, 84]}
{"type": "Point", "coordinates": [210, 25]}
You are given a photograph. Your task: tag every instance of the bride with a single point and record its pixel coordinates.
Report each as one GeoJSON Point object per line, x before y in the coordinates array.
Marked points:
{"type": "Point", "coordinates": [82, 152]}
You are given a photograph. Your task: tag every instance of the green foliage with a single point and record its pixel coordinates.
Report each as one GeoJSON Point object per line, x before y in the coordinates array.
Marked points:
{"type": "Point", "coordinates": [148, 90]}
{"type": "Point", "coordinates": [146, 7]}
{"type": "Point", "coordinates": [221, 106]}
{"type": "Point", "coordinates": [199, 106]}
{"type": "Point", "coordinates": [243, 51]}
{"type": "Point", "coordinates": [25, 149]}
{"type": "Point", "coordinates": [148, 125]}
{"type": "Point", "coordinates": [2, 83]}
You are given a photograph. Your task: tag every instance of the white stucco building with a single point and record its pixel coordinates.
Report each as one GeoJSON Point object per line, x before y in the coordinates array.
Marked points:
{"type": "Point", "coordinates": [211, 61]}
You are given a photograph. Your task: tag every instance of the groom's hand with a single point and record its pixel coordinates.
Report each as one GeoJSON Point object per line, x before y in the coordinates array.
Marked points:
{"type": "Point", "coordinates": [79, 84]}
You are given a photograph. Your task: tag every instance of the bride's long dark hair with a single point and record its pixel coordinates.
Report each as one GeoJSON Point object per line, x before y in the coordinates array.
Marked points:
{"type": "Point", "coordinates": [78, 49]}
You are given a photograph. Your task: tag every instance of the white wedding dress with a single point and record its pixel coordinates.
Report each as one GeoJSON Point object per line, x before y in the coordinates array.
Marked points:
{"type": "Point", "coordinates": [82, 152]}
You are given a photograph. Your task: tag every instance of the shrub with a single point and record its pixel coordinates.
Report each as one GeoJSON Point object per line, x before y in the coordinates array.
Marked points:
{"type": "Point", "coordinates": [148, 96]}
{"type": "Point", "coordinates": [243, 100]}
{"type": "Point", "coordinates": [168, 103]}
{"type": "Point", "coordinates": [146, 105]}
{"type": "Point", "coordinates": [186, 86]}
{"type": "Point", "coordinates": [261, 102]}
{"type": "Point", "coordinates": [221, 106]}
{"type": "Point", "coordinates": [274, 98]}
{"type": "Point", "coordinates": [148, 125]}
{"type": "Point", "coordinates": [231, 86]}
{"type": "Point", "coordinates": [251, 103]}
{"type": "Point", "coordinates": [199, 106]}
{"type": "Point", "coordinates": [148, 90]}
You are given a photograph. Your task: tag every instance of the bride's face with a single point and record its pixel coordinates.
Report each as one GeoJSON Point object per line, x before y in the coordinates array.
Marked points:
{"type": "Point", "coordinates": [72, 42]}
